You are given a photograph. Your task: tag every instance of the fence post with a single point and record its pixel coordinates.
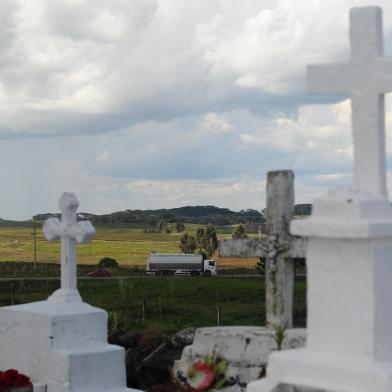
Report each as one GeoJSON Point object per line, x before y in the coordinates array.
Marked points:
{"type": "Point", "coordinates": [219, 315]}
{"type": "Point", "coordinates": [144, 307]}
{"type": "Point", "coordinates": [12, 293]}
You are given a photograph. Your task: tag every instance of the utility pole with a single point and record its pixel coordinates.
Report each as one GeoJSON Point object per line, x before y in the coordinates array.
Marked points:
{"type": "Point", "coordinates": [34, 234]}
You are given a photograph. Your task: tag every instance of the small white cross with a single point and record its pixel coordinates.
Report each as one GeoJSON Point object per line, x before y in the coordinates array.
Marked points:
{"type": "Point", "coordinates": [366, 78]}
{"type": "Point", "coordinates": [69, 231]}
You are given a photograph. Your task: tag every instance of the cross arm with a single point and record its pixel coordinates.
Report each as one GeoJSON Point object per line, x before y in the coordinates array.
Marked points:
{"type": "Point", "coordinates": [254, 247]}
{"type": "Point", "coordinates": [82, 231]}
{"type": "Point", "coordinates": [241, 247]}
{"type": "Point", "coordinates": [52, 229]}
{"type": "Point", "coordinates": [383, 84]}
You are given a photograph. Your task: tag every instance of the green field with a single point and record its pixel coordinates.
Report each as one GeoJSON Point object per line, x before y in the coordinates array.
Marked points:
{"type": "Point", "coordinates": [128, 245]}
{"type": "Point", "coordinates": [138, 302]}
{"type": "Point", "coordinates": [169, 303]}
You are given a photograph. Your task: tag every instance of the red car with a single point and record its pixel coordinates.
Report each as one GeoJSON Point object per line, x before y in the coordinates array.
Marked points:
{"type": "Point", "coordinates": [100, 273]}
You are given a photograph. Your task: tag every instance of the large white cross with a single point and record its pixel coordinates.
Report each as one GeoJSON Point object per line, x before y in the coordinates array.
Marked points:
{"type": "Point", "coordinates": [69, 231]}
{"type": "Point", "coordinates": [366, 78]}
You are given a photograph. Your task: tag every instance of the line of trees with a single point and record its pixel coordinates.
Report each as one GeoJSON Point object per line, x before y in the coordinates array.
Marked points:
{"type": "Point", "coordinates": [201, 215]}
{"type": "Point", "coordinates": [161, 224]}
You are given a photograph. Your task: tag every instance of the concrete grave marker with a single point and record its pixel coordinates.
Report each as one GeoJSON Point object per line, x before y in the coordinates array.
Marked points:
{"type": "Point", "coordinates": [349, 339]}
{"type": "Point", "coordinates": [61, 343]}
{"type": "Point", "coordinates": [279, 249]}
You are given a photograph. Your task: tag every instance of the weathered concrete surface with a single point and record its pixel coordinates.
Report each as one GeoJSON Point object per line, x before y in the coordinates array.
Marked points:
{"type": "Point", "coordinates": [255, 247]}
{"type": "Point", "coordinates": [241, 247]}
{"type": "Point", "coordinates": [280, 201]}
{"type": "Point", "coordinates": [245, 348]}
{"type": "Point", "coordinates": [296, 388]}
{"type": "Point", "coordinates": [279, 249]}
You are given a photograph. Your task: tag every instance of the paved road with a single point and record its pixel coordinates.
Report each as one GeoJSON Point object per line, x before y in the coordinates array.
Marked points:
{"type": "Point", "coordinates": [120, 277]}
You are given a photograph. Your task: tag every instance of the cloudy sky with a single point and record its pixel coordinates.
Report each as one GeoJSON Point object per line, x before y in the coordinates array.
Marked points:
{"type": "Point", "coordinates": [165, 103]}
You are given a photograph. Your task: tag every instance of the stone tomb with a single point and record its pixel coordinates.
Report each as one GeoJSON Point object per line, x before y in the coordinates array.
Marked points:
{"type": "Point", "coordinates": [279, 249]}
{"type": "Point", "coordinates": [61, 343]}
{"type": "Point", "coordinates": [349, 339]}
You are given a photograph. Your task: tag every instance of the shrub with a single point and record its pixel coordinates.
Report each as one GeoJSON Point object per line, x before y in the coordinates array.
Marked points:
{"type": "Point", "coordinates": [108, 262]}
{"type": "Point", "coordinates": [240, 232]}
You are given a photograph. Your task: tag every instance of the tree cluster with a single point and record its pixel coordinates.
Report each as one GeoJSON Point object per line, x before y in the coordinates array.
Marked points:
{"type": "Point", "coordinates": [205, 241]}
{"type": "Point", "coordinates": [240, 232]}
{"type": "Point", "coordinates": [162, 224]}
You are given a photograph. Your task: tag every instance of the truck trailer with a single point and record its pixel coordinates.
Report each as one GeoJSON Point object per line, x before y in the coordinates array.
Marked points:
{"type": "Point", "coordinates": [179, 264]}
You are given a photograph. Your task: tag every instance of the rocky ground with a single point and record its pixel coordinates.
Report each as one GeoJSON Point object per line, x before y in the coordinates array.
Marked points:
{"type": "Point", "coordinates": [150, 356]}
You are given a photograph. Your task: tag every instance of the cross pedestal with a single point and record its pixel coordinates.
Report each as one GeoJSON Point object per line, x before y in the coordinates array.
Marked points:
{"type": "Point", "coordinates": [61, 343]}
{"type": "Point", "coordinates": [349, 266]}
{"type": "Point", "coordinates": [279, 249]}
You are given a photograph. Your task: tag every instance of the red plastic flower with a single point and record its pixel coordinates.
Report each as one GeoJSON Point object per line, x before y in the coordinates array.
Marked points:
{"type": "Point", "coordinates": [12, 378]}
{"type": "Point", "coordinates": [200, 376]}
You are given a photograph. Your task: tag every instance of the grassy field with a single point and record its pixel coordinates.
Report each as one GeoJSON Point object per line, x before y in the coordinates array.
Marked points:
{"type": "Point", "coordinates": [138, 302]}
{"type": "Point", "coordinates": [129, 246]}
{"type": "Point", "coordinates": [167, 304]}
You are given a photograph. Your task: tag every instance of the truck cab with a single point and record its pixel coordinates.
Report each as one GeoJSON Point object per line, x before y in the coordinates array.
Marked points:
{"type": "Point", "coordinates": [210, 267]}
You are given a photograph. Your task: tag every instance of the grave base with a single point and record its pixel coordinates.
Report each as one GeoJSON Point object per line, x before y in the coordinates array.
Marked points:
{"type": "Point", "coordinates": [62, 346]}
{"type": "Point", "coordinates": [304, 371]}
{"type": "Point", "coordinates": [246, 349]}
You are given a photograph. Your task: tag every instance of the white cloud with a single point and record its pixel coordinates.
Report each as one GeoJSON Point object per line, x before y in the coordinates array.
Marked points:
{"type": "Point", "coordinates": [332, 177]}
{"type": "Point", "coordinates": [220, 192]}
{"type": "Point", "coordinates": [270, 48]}
{"type": "Point", "coordinates": [103, 156]}
{"type": "Point", "coordinates": [216, 123]}
{"type": "Point", "coordinates": [205, 97]}
{"type": "Point", "coordinates": [69, 67]}
{"type": "Point", "coordinates": [316, 128]}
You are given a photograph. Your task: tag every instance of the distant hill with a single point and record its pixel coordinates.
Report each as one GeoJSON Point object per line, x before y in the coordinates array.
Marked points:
{"type": "Point", "coordinates": [190, 214]}
{"type": "Point", "coordinates": [194, 214]}
{"type": "Point", "coordinates": [12, 223]}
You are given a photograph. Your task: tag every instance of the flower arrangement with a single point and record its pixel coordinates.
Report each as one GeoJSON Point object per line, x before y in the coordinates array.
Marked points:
{"type": "Point", "coordinates": [13, 381]}
{"type": "Point", "coordinates": [206, 375]}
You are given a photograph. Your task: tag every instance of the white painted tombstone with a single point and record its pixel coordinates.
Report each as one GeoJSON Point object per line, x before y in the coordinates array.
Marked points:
{"type": "Point", "coordinates": [349, 345]}
{"type": "Point", "coordinates": [279, 249]}
{"type": "Point", "coordinates": [61, 343]}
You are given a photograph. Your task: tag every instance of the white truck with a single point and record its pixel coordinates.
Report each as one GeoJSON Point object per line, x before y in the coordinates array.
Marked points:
{"type": "Point", "coordinates": [179, 264]}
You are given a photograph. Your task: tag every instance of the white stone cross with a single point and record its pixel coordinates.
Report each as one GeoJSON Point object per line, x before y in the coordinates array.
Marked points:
{"type": "Point", "coordinates": [348, 257]}
{"type": "Point", "coordinates": [366, 78]}
{"type": "Point", "coordinates": [69, 231]}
